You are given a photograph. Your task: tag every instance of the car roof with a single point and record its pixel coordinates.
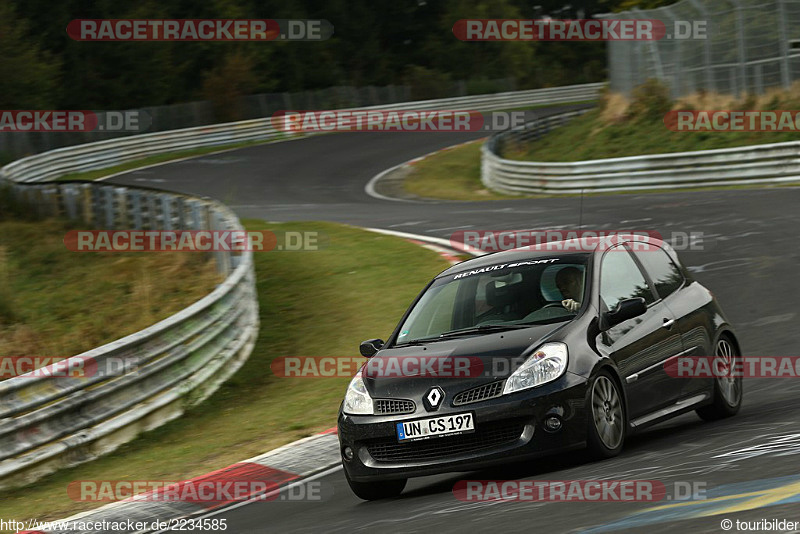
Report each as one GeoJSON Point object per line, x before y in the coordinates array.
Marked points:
{"type": "Point", "coordinates": [578, 247]}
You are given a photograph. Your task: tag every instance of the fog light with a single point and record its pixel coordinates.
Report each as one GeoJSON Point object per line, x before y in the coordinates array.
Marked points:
{"type": "Point", "coordinates": [348, 453]}
{"type": "Point", "coordinates": [552, 424]}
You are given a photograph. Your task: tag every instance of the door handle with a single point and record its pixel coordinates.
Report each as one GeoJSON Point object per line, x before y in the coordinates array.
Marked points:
{"type": "Point", "coordinates": [668, 323]}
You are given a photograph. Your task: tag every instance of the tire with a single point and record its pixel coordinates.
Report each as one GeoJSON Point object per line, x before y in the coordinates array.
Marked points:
{"type": "Point", "coordinates": [728, 391]}
{"type": "Point", "coordinates": [374, 491]}
{"type": "Point", "coordinates": [607, 423]}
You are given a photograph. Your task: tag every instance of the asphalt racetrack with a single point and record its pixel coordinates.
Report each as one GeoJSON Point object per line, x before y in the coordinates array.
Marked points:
{"type": "Point", "coordinates": [749, 466]}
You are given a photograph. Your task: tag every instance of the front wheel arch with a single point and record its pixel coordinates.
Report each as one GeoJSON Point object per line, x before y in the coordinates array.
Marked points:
{"type": "Point", "coordinates": [728, 333]}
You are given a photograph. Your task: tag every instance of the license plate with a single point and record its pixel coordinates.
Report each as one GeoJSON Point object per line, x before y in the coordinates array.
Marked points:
{"type": "Point", "coordinates": [459, 423]}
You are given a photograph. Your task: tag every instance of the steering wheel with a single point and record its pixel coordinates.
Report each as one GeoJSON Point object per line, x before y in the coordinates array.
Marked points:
{"type": "Point", "coordinates": [551, 305]}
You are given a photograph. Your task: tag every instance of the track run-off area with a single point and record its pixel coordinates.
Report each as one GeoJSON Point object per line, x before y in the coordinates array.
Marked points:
{"type": "Point", "coordinates": [749, 465]}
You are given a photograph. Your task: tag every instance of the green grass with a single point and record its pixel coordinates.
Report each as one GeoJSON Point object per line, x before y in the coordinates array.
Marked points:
{"type": "Point", "coordinates": [58, 303]}
{"type": "Point", "coordinates": [590, 137]}
{"type": "Point", "coordinates": [453, 174]}
{"type": "Point", "coordinates": [313, 303]}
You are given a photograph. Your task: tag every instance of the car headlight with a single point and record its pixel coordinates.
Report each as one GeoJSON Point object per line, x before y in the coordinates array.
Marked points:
{"type": "Point", "coordinates": [545, 365]}
{"type": "Point", "coordinates": [357, 400]}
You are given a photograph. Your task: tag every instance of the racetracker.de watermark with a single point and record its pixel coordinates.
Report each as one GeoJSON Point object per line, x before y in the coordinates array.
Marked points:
{"type": "Point", "coordinates": [37, 120]}
{"type": "Point", "coordinates": [570, 240]}
{"type": "Point", "coordinates": [738, 367]}
{"type": "Point", "coordinates": [496, 366]}
{"type": "Point", "coordinates": [577, 490]}
{"type": "Point", "coordinates": [73, 367]}
{"type": "Point", "coordinates": [364, 120]}
{"type": "Point", "coordinates": [192, 241]}
{"type": "Point", "coordinates": [410, 366]}
{"type": "Point", "coordinates": [199, 30]}
{"type": "Point", "coordinates": [222, 489]}
{"type": "Point", "coordinates": [732, 120]}
{"type": "Point", "coordinates": [578, 30]}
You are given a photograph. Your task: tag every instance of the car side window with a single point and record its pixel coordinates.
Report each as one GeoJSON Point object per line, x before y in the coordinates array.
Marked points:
{"type": "Point", "coordinates": [620, 279]}
{"type": "Point", "coordinates": [662, 270]}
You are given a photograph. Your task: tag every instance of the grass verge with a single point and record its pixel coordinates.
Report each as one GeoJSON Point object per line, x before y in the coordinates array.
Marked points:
{"type": "Point", "coordinates": [591, 137]}
{"type": "Point", "coordinates": [319, 303]}
{"type": "Point", "coordinates": [628, 126]}
{"type": "Point", "coordinates": [58, 303]}
{"type": "Point", "coordinates": [453, 174]}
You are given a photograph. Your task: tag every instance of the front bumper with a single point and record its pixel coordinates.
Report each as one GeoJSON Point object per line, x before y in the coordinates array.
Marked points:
{"type": "Point", "coordinates": [507, 428]}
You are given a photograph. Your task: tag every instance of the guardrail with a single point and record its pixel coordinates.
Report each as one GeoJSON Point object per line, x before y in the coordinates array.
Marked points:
{"type": "Point", "coordinates": [49, 422]}
{"type": "Point", "coordinates": [102, 154]}
{"type": "Point", "coordinates": [140, 381]}
{"type": "Point", "coordinates": [748, 165]}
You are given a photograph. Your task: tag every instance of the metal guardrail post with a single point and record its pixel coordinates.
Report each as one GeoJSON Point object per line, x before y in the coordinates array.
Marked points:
{"type": "Point", "coordinates": [69, 197]}
{"type": "Point", "coordinates": [223, 258]}
{"type": "Point", "coordinates": [122, 207]}
{"type": "Point", "coordinates": [86, 200]}
{"type": "Point", "coordinates": [180, 209]}
{"type": "Point", "coordinates": [136, 208]}
{"type": "Point", "coordinates": [108, 204]}
{"type": "Point", "coordinates": [196, 216]}
{"type": "Point", "coordinates": [166, 212]}
{"type": "Point", "coordinates": [52, 198]}
{"type": "Point", "coordinates": [151, 221]}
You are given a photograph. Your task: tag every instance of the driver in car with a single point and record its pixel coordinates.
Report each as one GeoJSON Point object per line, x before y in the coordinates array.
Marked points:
{"type": "Point", "coordinates": [570, 284]}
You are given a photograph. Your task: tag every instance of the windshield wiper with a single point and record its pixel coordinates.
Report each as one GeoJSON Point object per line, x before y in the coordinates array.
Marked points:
{"type": "Point", "coordinates": [482, 329]}
{"type": "Point", "coordinates": [418, 342]}
{"type": "Point", "coordinates": [472, 330]}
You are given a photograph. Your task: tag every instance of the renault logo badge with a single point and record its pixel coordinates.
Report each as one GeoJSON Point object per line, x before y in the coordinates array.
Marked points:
{"type": "Point", "coordinates": [433, 398]}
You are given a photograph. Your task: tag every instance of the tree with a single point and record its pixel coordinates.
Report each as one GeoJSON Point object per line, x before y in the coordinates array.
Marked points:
{"type": "Point", "coordinates": [28, 75]}
{"type": "Point", "coordinates": [227, 83]}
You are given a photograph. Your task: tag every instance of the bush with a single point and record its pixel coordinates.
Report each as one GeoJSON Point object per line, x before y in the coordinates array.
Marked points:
{"type": "Point", "coordinates": [650, 101]}
{"type": "Point", "coordinates": [226, 84]}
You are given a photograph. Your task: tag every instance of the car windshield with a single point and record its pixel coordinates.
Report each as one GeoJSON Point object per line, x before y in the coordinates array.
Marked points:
{"type": "Point", "coordinates": [494, 297]}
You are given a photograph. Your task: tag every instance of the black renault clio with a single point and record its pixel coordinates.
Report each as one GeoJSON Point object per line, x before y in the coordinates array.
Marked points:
{"type": "Point", "coordinates": [534, 351]}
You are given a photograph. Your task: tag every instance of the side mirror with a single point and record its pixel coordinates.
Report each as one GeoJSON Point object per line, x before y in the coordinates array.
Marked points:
{"type": "Point", "coordinates": [369, 347]}
{"type": "Point", "coordinates": [626, 309]}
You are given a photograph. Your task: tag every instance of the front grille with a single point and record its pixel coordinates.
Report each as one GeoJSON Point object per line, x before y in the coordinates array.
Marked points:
{"type": "Point", "coordinates": [394, 406]}
{"type": "Point", "coordinates": [487, 436]}
{"type": "Point", "coordinates": [488, 391]}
